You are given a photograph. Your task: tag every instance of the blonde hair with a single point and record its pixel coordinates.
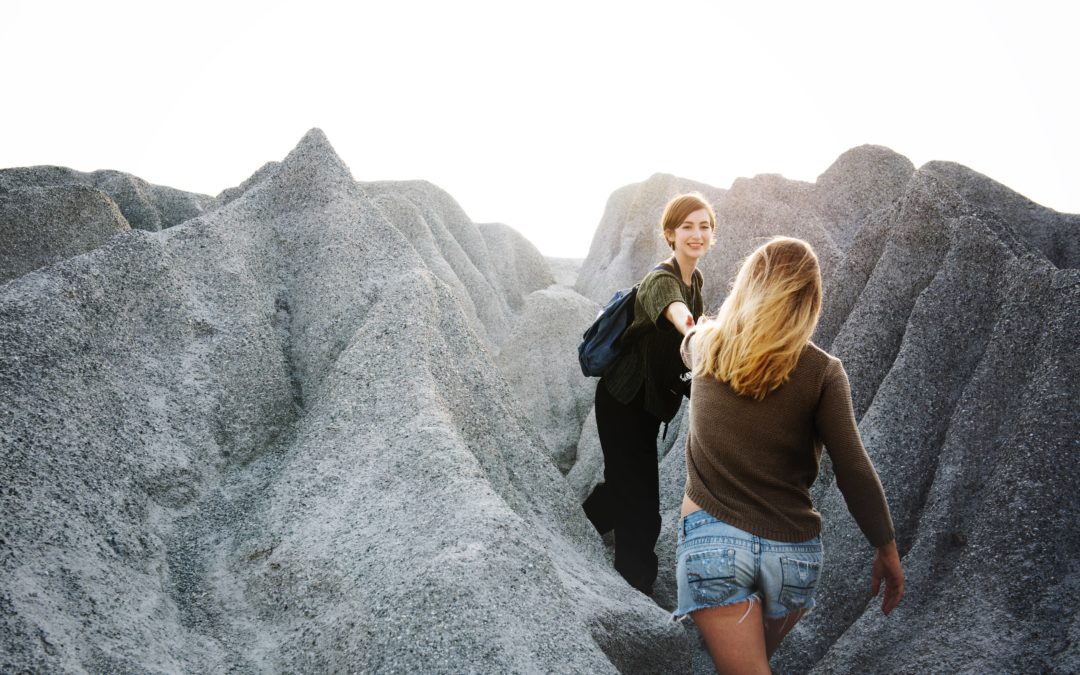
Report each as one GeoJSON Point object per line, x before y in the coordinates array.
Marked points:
{"type": "Point", "coordinates": [677, 210]}
{"type": "Point", "coordinates": [768, 317]}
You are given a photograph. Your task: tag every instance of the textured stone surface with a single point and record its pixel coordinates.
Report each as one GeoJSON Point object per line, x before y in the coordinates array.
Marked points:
{"type": "Point", "coordinates": [273, 438]}
{"type": "Point", "coordinates": [519, 267]}
{"type": "Point", "coordinates": [565, 270]}
{"type": "Point", "coordinates": [959, 337]}
{"type": "Point", "coordinates": [49, 213]}
{"type": "Point", "coordinates": [490, 282]}
{"type": "Point", "coordinates": [539, 362]}
{"type": "Point", "coordinates": [145, 206]}
{"type": "Point", "coordinates": [280, 436]}
{"type": "Point", "coordinates": [39, 226]}
{"type": "Point", "coordinates": [961, 349]}
{"type": "Point", "coordinates": [861, 181]}
{"type": "Point", "coordinates": [1057, 235]}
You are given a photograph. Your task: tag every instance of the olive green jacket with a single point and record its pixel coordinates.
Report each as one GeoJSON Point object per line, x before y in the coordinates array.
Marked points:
{"type": "Point", "coordinates": [650, 345]}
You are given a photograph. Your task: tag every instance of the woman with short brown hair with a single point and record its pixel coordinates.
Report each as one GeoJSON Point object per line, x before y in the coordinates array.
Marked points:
{"type": "Point", "coordinates": [643, 388]}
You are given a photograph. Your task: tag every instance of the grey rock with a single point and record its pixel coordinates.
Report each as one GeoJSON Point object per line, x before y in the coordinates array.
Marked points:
{"type": "Point", "coordinates": [41, 225]}
{"type": "Point", "coordinates": [229, 194]}
{"type": "Point", "coordinates": [959, 337]}
{"type": "Point", "coordinates": [520, 269]}
{"type": "Point", "coordinates": [755, 210]}
{"type": "Point", "coordinates": [971, 426]}
{"type": "Point", "coordinates": [539, 362]}
{"type": "Point", "coordinates": [860, 182]}
{"type": "Point", "coordinates": [313, 427]}
{"type": "Point", "coordinates": [490, 282]}
{"type": "Point", "coordinates": [272, 438]}
{"type": "Point", "coordinates": [565, 270]}
{"type": "Point", "coordinates": [588, 469]}
{"type": "Point", "coordinates": [1056, 234]}
{"type": "Point", "coordinates": [145, 206]}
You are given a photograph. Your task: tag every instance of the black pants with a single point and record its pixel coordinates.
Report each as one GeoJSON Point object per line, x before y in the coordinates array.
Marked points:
{"type": "Point", "coordinates": [628, 501]}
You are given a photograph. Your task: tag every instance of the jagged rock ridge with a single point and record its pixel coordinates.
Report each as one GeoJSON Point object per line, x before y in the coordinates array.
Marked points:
{"type": "Point", "coordinates": [958, 333]}
{"type": "Point", "coordinates": [145, 206]}
{"type": "Point", "coordinates": [280, 429]}
{"type": "Point", "coordinates": [276, 440]}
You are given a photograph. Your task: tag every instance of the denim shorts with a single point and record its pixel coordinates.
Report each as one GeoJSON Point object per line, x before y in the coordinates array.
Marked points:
{"type": "Point", "coordinates": [722, 565]}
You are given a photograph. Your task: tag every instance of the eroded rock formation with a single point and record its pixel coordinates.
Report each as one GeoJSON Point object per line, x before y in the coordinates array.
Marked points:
{"type": "Point", "coordinates": [273, 438]}
{"type": "Point", "coordinates": [318, 425]}
{"type": "Point", "coordinates": [959, 336]}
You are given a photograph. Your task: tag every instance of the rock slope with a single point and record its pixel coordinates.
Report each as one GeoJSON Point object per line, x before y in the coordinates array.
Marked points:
{"type": "Point", "coordinates": [145, 206]}
{"type": "Point", "coordinates": [961, 349]}
{"type": "Point", "coordinates": [40, 225]}
{"type": "Point", "coordinates": [273, 438]}
{"type": "Point", "coordinates": [948, 299]}
{"type": "Point", "coordinates": [318, 426]}
{"type": "Point", "coordinates": [50, 213]}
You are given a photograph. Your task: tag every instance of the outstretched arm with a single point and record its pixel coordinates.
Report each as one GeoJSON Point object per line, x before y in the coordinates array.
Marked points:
{"type": "Point", "coordinates": [679, 315]}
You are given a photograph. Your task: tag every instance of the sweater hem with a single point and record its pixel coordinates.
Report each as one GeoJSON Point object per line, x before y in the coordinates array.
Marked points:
{"type": "Point", "coordinates": [714, 509]}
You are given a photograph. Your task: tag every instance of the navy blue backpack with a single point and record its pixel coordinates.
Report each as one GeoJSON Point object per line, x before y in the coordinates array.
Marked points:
{"type": "Point", "coordinates": [600, 343]}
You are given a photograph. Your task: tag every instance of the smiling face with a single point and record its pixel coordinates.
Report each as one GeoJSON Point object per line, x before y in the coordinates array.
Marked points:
{"type": "Point", "coordinates": [693, 236]}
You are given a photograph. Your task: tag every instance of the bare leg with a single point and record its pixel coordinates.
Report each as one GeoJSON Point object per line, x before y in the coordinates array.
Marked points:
{"type": "Point", "coordinates": [776, 629]}
{"type": "Point", "coordinates": [735, 637]}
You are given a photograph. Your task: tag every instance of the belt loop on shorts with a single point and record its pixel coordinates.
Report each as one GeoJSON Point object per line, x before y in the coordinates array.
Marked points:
{"type": "Point", "coordinates": [757, 545]}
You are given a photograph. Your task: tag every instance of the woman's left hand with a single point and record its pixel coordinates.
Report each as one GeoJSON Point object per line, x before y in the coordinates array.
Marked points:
{"type": "Point", "coordinates": [887, 568]}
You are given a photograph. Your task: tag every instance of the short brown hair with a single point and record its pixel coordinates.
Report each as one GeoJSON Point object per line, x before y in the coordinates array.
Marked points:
{"type": "Point", "coordinates": [678, 209]}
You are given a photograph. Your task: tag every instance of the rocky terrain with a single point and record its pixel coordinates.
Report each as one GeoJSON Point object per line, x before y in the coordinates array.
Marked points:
{"type": "Point", "coordinates": [49, 213]}
{"type": "Point", "coordinates": [315, 425]}
{"type": "Point", "coordinates": [959, 335]}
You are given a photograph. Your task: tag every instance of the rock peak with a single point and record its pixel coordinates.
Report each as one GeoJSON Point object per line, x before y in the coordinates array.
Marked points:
{"type": "Point", "coordinates": [862, 159]}
{"type": "Point", "coordinates": [315, 147]}
{"type": "Point", "coordinates": [311, 173]}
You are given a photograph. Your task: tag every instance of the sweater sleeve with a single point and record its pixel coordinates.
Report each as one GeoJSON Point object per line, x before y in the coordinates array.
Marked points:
{"type": "Point", "coordinates": [686, 349]}
{"type": "Point", "coordinates": [855, 474]}
{"type": "Point", "coordinates": [657, 291]}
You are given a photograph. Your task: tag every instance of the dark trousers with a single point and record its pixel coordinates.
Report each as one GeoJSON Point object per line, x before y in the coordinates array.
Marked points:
{"type": "Point", "coordinates": [628, 501]}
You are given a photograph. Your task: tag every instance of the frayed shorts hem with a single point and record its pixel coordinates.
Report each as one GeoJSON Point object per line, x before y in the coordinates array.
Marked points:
{"type": "Point", "coordinates": [681, 617]}
{"type": "Point", "coordinates": [719, 565]}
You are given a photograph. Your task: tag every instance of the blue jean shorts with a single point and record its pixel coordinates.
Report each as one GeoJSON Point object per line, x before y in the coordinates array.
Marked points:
{"type": "Point", "coordinates": [719, 564]}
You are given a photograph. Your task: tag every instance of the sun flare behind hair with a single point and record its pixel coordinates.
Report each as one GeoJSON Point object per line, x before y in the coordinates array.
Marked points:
{"type": "Point", "coordinates": [758, 334]}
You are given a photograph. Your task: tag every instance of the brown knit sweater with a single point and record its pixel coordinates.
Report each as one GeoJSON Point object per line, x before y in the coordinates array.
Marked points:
{"type": "Point", "coordinates": [751, 463]}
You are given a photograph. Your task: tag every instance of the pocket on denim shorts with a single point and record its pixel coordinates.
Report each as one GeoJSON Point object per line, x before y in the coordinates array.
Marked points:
{"type": "Point", "coordinates": [711, 575]}
{"type": "Point", "coordinates": [799, 582]}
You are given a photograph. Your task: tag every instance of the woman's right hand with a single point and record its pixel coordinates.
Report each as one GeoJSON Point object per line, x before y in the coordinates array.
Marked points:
{"type": "Point", "coordinates": [679, 315]}
{"type": "Point", "coordinates": [887, 569]}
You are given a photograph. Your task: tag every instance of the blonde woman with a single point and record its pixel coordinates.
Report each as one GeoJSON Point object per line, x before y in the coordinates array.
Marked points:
{"type": "Point", "coordinates": [764, 400]}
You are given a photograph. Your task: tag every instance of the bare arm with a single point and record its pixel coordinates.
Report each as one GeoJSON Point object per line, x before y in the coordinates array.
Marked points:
{"type": "Point", "coordinates": [679, 315]}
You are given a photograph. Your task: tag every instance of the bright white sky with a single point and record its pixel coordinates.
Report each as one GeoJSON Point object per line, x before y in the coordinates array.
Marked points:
{"type": "Point", "coordinates": [532, 114]}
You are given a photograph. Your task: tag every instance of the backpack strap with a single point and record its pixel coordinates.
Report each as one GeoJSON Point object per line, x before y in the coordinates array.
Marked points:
{"type": "Point", "coordinates": [672, 268]}
{"type": "Point", "coordinates": [665, 266]}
